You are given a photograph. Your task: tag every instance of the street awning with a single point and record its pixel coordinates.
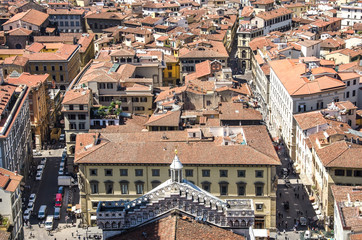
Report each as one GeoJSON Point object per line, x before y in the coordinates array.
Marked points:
{"type": "Point", "coordinates": [261, 233]}
{"type": "Point", "coordinates": [94, 218]}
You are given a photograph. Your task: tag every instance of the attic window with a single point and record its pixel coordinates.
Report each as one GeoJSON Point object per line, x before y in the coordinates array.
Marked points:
{"type": "Point", "coordinates": [201, 49]}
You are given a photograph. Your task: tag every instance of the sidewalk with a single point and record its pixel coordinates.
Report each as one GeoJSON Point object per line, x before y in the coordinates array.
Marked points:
{"type": "Point", "coordinates": [63, 232]}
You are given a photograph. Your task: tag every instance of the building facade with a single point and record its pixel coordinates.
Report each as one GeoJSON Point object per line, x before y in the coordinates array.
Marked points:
{"type": "Point", "coordinates": [15, 134]}
{"type": "Point", "coordinates": [11, 203]}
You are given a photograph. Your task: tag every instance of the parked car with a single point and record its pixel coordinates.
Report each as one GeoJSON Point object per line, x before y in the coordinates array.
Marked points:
{"type": "Point", "coordinates": [64, 154]}
{"type": "Point", "coordinates": [61, 171]}
{"type": "Point", "coordinates": [57, 213]}
{"type": "Point", "coordinates": [43, 161]}
{"type": "Point", "coordinates": [42, 211]}
{"type": "Point", "coordinates": [287, 183]}
{"type": "Point", "coordinates": [58, 200]}
{"type": "Point", "coordinates": [62, 138]}
{"type": "Point", "coordinates": [69, 207]}
{"type": "Point", "coordinates": [303, 221]}
{"type": "Point", "coordinates": [39, 175]}
{"type": "Point", "coordinates": [61, 190]}
{"type": "Point", "coordinates": [36, 153]}
{"type": "Point", "coordinates": [32, 197]}
{"type": "Point", "coordinates": [62, 164]}
{"type": "Point", "coordinates": [40, 167]}
{"type": "Point", "coordinates": [30, 206]}
{"type": "Point", "coordinates": [27, 214]}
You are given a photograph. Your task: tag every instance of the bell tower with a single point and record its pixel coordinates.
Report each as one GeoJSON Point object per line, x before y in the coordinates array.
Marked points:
{"type": "Point", "coordinates": [176, 169]}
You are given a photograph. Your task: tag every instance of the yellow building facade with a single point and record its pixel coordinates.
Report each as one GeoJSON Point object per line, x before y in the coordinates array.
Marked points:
{"type": "Point", "coordinates": [171, 74]}
{"type": "Point", "coordinates": [142, 162]}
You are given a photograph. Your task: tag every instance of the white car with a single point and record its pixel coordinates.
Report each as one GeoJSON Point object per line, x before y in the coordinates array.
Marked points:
{"type": "Point", "coordinates": [43, 161]}
{"type": "Point", "coordinates": [39, 175]}
{"type": "Point", "coordinates": [27, 214]}
{"type": "Point", "coordinates": [62, 138]}
{"type": "Point", "coordinates": [32, 197]}
{"type": "Point", "coordinates": [30, 206]}
{"type": "Point", "coordinates": [61, 171]}
{"type": "Point", "coordinates": [40, 167]}
{"type": "Point", "coordinates": [61, 164]}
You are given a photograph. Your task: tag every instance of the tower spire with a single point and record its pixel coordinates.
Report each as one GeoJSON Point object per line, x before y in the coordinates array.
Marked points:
{"type": "Point", "coordinates": [176, 169]}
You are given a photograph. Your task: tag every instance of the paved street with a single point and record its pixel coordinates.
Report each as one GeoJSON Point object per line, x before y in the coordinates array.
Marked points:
{"type": "Point", "coordinates": [45, 191]}
{"type": "Point", "coordinates": [299, 204]}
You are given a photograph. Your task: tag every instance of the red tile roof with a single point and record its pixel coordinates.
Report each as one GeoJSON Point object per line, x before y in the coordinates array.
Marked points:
{"type": "Point", "coordinates": [31, 16]}
{"type": "Point", "coordinates": [9, 181]}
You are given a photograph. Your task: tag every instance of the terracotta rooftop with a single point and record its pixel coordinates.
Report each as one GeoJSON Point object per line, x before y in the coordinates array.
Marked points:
{"type": "Point", "coordinates": [348, 75]}
{"type": "Point", "coordinates": [290, 73]}
{"type": "Point", "coordinates": [349, 214]}
{"type": "Point", "coordinates": [9, 181]}
{"type": "Point", "coordinates": [29, 80]}
{"type": "Point", "coordinates": [76, 96]}
{"type": "Point", "coordinates": [16, 60]}
{"type": "Point", "coordinates": [153, 148]}
{"type": "Point", "coordinates": [274, 13]}
{"type": "Point", "coordinates": [170, 119]}
{"type": "Point", "coordinates": [236, 111]}
{"type": "Point", "coordinates": [31, 16]}
{"type": "Point", "coordinates": [65, 11]}
{"type": "Point", "coordinates": [106, 15]}
{"type": "Point", "coordinates": [20, 32]}
{"type": "Point", "coordinates": [310, 120]}
{"type": "Point", "coordinates": [176, 228]}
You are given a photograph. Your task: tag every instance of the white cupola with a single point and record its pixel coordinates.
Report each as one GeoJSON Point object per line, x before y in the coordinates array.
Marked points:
{"type": "Point", "coordinates": [176, 169]}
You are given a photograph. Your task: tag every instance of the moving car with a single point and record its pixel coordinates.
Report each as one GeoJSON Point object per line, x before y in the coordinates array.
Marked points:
{"type": "Point", "coordinates": [42, 211]}
{"type": "Point", "coordinates": [27, 214]}
{"type": "Point", "coordinates": [32, 197]}
{"type": "Point", "coordinates": [49, 223]}
{"type": "Point", "coordinates": [57, 213]}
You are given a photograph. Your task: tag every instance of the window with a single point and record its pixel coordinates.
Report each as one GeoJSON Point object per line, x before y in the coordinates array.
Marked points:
{"type": "Point", "coordinates": [94, 187]}
{"type": "Point", "coordinates": [208, 102]}
{"type": "Point", "coordinates": [206, 186]}
{"type": "Point", "coordinates": [110, 85]}
{"type": "Point", "coordinates": [81, 126]}
{"type": "Point", "coordinates": [37, 68]}
{"type": "Point", "coordinates": [94, 204]}
{"type": "Point", "coordinates": [349, 173]}
{"type": "Point", "coordinates": [143, 99]}
{"type": "Point", "coordinates": [139, 172]}
{"type": "Point", "coordinates": [81, 116]}
{"type": "Point", "coordinates": [81, 107]}
{"type": "Point", "coordinates": [205, 173]}
{"type": "Point", "coordinates": [169, 67]}
{"type": "Point", "coordinates": [259, 173]}
{"type": "Point", "coordinates": [259, 189]}
{"type": "Point", "coordinates": [139, 187]}
{"type": "Point", "coordinates": [109, 187]}
{"type": "Point", "coordinates": [45, 68]}
{"type": "Point", "coordinates": [72, 126]}
{"type": "Point", "coordinates": [108, 172]}
{"type": "Point", "coordinates": [71, 116]}
{"type": "Point", "coordinates": [358, 173]}
{"type": "Point", "coordinates": [259, 206]}
{"type": "Point", "coordinates": [241, 173]}
{"type": "Point", "coordinates": [223, 173]}
{"type": "Point", "coordinates": [223, 188]}
{"type": "Point", "coordinates": [354, 82]}
{"type": "Point", "coordinates": [123, 172]}
{"type": "Point", "coordinates": [139, 108]}
{"type": "Point", "coordinates": [155, 183]}
{"type": "Point", "coordinates": [241, 188]}
{"type": "Point", "coordinates": [93, 172]}
{"type": "Point", "coordinates": [53, 77]}
{"type": "Point", "coordinates": [155, 172]}
{"type": "Point", "coordinates": [347, 94]}
{"type": "Point", "coordinates": [60, 68]}
{"type": "Point", "coordinates": [124, 187]}
{"type": "Point", "coordinates": [353, 93]}
{"type": "Point", "coordinates": [53, 68]}
{"type": "Point", "coordinates": [135, 99]}
{"type": "Point", "coordinates": [61, 78]}
{"type": "Point", "coordinates": [73, 137]}
{"type": "Point", "coordinates": [71, 107]}
{"type": "Point", "coordinates": [169, 75]}
{"type": "Point", "coordinates": [348, 83]}
{"type": "Point", "coordinates": [189, 172]}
